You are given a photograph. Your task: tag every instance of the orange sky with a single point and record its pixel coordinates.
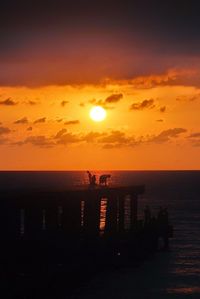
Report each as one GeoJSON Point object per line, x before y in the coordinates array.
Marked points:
{"type": "Point", "coordinates": [152, 123]}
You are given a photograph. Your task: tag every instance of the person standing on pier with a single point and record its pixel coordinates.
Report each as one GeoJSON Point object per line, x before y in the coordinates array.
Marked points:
{"type": "Point", "coordinates": [92, 179]}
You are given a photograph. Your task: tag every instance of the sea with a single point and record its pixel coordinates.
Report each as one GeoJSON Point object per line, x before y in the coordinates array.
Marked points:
{"type": "Point", "coordinates": [172, 274]}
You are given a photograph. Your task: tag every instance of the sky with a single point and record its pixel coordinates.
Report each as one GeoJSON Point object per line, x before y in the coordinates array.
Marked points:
{"type": "Point", "coordinates": [139, 60]}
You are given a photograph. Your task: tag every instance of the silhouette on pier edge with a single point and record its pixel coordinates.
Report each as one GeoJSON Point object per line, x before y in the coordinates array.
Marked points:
{"type": "Point", "coordinates": [103, 179]}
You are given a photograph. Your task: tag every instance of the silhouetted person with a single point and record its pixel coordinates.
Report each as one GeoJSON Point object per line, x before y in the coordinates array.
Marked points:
{"type": "Point", "coordinates": [103, 179]}
{"type": "Point", "coordinates": [92, 179]}
{"type": "Point", "coordinates": [89, 176]}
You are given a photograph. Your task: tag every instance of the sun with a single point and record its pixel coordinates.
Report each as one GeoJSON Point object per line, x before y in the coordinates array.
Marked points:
{"type": "Point", "coordinates": [98, 113]}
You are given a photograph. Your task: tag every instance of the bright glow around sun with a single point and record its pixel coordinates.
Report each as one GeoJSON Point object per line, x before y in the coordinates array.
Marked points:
{"type": "Point", "coordinates": [98, 113]}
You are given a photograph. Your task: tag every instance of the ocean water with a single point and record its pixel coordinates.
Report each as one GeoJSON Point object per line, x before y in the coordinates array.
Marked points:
{"type": "Point", "coordinates": [173, 274]}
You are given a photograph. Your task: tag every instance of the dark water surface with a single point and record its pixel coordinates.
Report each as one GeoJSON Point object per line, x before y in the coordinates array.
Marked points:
{"type": "Point", "coordinates": [175, 274]}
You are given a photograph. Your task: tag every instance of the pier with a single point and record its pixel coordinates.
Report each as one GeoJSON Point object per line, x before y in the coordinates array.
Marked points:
{"type": "Point", "coordinates": [69, 235]}
{"type": "Point", "coordinates": [43, 215]}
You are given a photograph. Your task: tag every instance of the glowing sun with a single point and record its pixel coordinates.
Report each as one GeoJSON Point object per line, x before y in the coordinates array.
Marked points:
{"type": "Point", "coordinates": [98, 113]}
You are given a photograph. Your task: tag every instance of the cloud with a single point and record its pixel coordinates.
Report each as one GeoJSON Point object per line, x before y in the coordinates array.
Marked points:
{"type": "Point", "coordinates": [67, 138]}
{"type": "Point", "coordinates": [114, 98]}
{"type": "Point", "coordinates": [165, 135]}
{"type": "Point", "coordinates": [31, 103]}
{"type": "Point", "coordinates": [197, 143]}
{"type": "Point", "coordinates": [106, 139]}
{"type": "Point", "coordinates": [146, 104]}
{"type": "Point", "coordinates": [101, 103]}
{"type": "Point", "coordinates": [189, 98]}
{"type": "Point", "coordinates": [92, 136]}
{"type": "Point", "coordinates": [18, 143]}
{"type": "Point", "coordinates": [95, 102]}
{"type": "Point", "coordinates": [171, 77]}
{"type": "Point", "coordinates": [8, 102]}
{"type": "Point", "coordinates": [114, 137]}
{"type": "Point", "coordinates": [23, 120]}
{"type": "Point", "coordinates": [111, 145]}
{"type": "Point", "coordinates": [194, 135]}
{"type": "Point", "coordinates": [125, 46]}
{"type": "Point", "coordinates": [63, 103]}
{"type": "Point", "coordinates": [181, 98]}
{"type": "Point", "coordinates": [40, 141]}
{"type": "Point", "coordinates": [64, 137]}
{"type": "Point", "coordinates": [151, 81]}
{"type": "Point", "coordinates": [119, 139]}
{"type": "Point", "coordinates": [72, 122]}
{"type": "Point", "coordinates": [195, 139]}
{"type": "Point", "coordinates": [194, 98]}
{"type": "Point", "coordinates": [60, 133]}
{"type": "Point", "coordinates": [4, 130]}
{"type": "Point", "coordinates": [40, 120]}
{"type": "Point", "coordinates": [162, 109]}
{"type": "Point", "coordinates": [3, 141]}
